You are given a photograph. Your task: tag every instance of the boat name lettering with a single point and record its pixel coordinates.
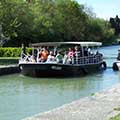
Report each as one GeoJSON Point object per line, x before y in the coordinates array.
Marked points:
{"type": "Point", "coordinates": [56, 67]}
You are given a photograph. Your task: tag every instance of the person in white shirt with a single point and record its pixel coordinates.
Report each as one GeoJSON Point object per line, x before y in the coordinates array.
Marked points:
{"type": "Point", "coordinates": [51, 57]}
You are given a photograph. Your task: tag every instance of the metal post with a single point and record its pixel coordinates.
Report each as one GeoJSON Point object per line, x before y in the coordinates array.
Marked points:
{"type": "Point", "coordinates": [23, 51]}
{"type": "Point", "coordinates": [32, 50]}
{"type": "Point", "coordinates": [82, 54]}
{"type": "Point", "coordinates": [55, 49]}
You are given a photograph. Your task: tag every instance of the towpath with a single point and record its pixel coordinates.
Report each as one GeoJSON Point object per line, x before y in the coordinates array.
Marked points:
{"type": "Point", "coordinates": [100, 106]}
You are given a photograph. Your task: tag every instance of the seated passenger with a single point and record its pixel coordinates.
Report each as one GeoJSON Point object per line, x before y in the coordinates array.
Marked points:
{"type": "Point", "coordinates": [51, 57]}
{"type": "Point", "coordinates": [43, 54]}
{"type": "Point", "coordinates": [59, 57]}
{"type": "Point", "coordinates": [32, 59]}
{"type": "Point", "coordinates": [65, 58]}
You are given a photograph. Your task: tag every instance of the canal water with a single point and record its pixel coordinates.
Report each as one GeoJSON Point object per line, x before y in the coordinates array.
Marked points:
{"type": "Point", "coordinates": [22, 96]}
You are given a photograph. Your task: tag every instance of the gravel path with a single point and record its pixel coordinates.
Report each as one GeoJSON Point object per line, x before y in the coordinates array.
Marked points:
{"type": "Point", "coordinates": [100, 106]}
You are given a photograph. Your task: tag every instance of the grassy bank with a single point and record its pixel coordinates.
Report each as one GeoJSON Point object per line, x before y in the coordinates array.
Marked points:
{"type": "Point", "coordinates": [116, 117]}
{"type": "Point", "coordinates": [8, 60]}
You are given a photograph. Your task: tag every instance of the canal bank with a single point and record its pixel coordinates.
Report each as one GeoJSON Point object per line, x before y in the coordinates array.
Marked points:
{"type": "Point", "coordinates": [99, 106]}
{"type": "Point", "coordinates": [9, 69]}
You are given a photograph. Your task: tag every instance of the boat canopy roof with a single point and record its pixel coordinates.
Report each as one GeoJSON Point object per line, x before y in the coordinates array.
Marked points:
{"type": "Point", "coordinates": [66, 43]}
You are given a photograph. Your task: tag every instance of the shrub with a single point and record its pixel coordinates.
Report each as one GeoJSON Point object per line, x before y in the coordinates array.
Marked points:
{"type": "Point", "coordinates": [12, 52]}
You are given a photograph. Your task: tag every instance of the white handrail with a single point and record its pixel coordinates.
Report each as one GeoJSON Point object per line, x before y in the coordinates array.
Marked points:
{"type": "Point", "coordinates": [87, 59]}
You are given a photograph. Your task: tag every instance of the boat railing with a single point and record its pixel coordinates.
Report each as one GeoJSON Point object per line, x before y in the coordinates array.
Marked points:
{"type": "Point", "coordinates": [87, 59]}
{"type": "Point", "coordinates": [91, 59]}
{"type": "Point", "coordinates": [24, 57]}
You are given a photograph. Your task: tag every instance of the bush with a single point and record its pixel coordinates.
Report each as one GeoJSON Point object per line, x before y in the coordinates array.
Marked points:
{"type": "Point", "coordinates": [12, 52]}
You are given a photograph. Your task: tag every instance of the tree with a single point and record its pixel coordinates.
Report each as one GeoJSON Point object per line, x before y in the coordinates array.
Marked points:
{"type": "Point", "coordinates": [3, 39]}
{"type": "Point", "coordinates": [115, 23]}
{"type": "Point", "coordinates": [98, 30]}
{"type": "Point", "coordinates": [28, 21]}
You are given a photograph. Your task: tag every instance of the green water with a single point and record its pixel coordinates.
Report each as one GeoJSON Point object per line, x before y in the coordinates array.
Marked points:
{"type": "Point", "coordinates": [21, 96]}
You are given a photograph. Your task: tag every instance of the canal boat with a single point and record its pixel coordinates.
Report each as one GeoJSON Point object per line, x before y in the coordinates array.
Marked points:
{"type": "Point", "coordinates": [82, 62]}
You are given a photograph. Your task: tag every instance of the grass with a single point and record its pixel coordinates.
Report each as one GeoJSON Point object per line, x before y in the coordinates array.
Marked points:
{"type": "Point", "coordinates": [117, 109]}
{"type": "Point", "coordinates": [8, 60]}
{"type": "Point", "coordinates": [116, 117]}
{"type": "Point", "coordinates": [1, 58]}
{"type": "Point", "coordinates": [92, 94]}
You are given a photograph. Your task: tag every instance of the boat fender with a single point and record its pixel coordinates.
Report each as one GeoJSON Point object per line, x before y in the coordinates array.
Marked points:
{"type": "Point", "coordinates": [20, 67]}
{"type": "Point", "coordinates": [115, 67]}
{"type": "Point", "coordinates": [104, 65]}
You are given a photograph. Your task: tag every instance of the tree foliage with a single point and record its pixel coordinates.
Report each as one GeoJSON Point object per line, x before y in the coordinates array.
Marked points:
{"type": "Point", "coordinates": [99, 30]}
{"type": "Point", "coordinates": [26, 21]}
{"type": "Point", "coordinates": [115, 23]}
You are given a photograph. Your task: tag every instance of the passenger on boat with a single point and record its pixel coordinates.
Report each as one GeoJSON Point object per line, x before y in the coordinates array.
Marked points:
{"type": "Point", "coordinates": [66, 58]}
{"type": "Point", "coordinates": [43, 54]}
{"type": "Point", "coordinates": [23, 53]}
{"type": "Point", "coordinates": [32, 59]}
{"type": "Point", "coordinates": [77, 55]}
{"type": "Point", "coordinates": [118, 57]}
{"type": "Point", "coordinates": [95, 57]}
{"type": "Point", "coordinates": [59, 57]}
{"type": "Point", "coordinates": [70, 54]}
{"type": "Point", "coordinates": [86, 51]}
{"type": "Point", "coordinates": [51, 57]}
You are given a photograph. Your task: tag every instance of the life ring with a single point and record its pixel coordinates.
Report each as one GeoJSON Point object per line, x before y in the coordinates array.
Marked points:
{"type": "Point", "coordinates": [115, 67]}
{"type": "Point", "coordinates": [104, 65]}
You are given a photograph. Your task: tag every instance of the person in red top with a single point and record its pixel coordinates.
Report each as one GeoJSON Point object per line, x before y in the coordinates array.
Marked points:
{"type": "Point", "coordinates": [70, 54]}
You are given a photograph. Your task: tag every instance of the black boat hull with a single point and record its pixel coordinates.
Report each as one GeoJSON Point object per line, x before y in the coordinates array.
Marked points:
{"type": "Point", "coordinates": [58, 70]}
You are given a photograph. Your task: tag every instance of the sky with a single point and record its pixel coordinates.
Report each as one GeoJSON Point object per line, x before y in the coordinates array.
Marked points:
{"type": "Point", "coordinates": [103, 8]}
